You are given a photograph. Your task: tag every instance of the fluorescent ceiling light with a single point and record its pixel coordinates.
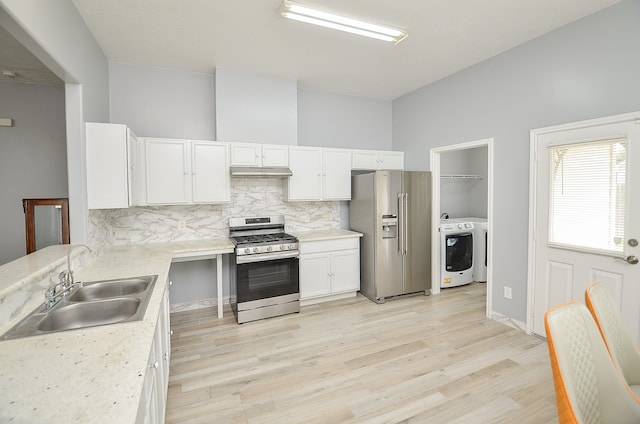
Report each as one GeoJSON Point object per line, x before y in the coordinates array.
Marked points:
{"type": "Point", "coordinates": [303, 13]}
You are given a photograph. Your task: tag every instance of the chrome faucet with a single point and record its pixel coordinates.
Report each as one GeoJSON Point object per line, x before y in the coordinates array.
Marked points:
{"type": "Point", "coordinates": [59, 290]}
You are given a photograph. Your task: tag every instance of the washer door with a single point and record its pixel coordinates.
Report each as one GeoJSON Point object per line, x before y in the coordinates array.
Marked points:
{"type": "Point", "coordinates": [459, 252]}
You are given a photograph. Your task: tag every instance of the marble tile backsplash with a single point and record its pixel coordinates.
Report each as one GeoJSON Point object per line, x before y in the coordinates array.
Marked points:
{"type": "Point", "coordinates": [249, 197]}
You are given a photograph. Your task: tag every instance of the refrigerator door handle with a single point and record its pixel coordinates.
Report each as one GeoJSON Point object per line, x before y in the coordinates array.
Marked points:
{"type": "Point", "coordinates": [405, 224]}
{"type": "Point", "coordinates": [403, 206]}
{"type": "Point", "coordinates": [401, 233]}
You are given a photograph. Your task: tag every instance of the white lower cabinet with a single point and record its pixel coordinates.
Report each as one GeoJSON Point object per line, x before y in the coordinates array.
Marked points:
{"type": "Point", "coordinates": [152, 406]}
{"type": "Point", "coordinates": [329, 269]}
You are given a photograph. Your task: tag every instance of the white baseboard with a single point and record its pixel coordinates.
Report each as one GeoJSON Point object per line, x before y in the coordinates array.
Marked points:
{"type": "Point", "coordinates": [513, 323]}
{"type": "Point", "coordinates": [322, 299]}
{"type": "Point", "coordinates": [197, 304]}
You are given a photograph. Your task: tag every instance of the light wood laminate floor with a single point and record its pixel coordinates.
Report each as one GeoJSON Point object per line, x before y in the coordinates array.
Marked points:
{"type": "Point", "coordinates": [419, 359]}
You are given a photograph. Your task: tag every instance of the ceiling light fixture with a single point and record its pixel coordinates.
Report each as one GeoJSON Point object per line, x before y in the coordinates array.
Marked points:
{"type": "Point", "coordinates": [304, 13]}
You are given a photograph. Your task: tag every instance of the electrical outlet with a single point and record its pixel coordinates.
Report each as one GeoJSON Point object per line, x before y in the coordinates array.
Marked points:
{"type": "Point", "coordinates": [182, 225]}
{"type": "Point", "coordinates": [507, 292]}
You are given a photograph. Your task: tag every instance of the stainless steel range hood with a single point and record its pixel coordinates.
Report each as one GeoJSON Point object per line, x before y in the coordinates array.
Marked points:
{"type": "Point", "coordinates": [246, 172]}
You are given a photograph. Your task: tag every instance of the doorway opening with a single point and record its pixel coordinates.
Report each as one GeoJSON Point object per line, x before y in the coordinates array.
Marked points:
{"type": "Point", "coordinates": [463, 188]}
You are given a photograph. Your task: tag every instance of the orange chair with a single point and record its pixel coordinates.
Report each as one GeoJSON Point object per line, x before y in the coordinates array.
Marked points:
{"type": "Point", "coordinates": [589, 388]}
{"type": "Point", "coordinates": [622, 348]}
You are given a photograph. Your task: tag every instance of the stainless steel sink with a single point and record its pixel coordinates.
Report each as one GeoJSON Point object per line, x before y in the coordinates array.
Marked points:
{"type": "Point", "coordinates": [95, 303]}
{"type": "Point", "coordinates": [106, 289]}
{"type": "Point", "coordinates": [88, 314]}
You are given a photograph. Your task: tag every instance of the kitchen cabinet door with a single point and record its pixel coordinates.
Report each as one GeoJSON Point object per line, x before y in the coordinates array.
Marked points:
{"type": "Point", "coordinates": [391, 161]}
{"type": "Point", "coordinates": [167, 171]}
{"type": "Point", "coordinates": [306, 181]}
{"type": "Point", "coordinates": [107, 165]}
{"type": "Point", "coordinates": [246, 154]}
{"type": "Point", "coordinates": [315, 278]}
{"type": "Point", "coordinates": [249, 154]}
{"type": "Point", "coordinates": [329, 269]}
{"type": "Point", "coordinates": [210, 172]}
{"type": "Point", "coordinates": [152, 408]}
{"type": "Point", "coordinates": [133, 147]}
{"type": "Point", "coordinates": [363, 159]}
{"type": "Point", "coordinates": [372, 160]}
{"type": "Point", "coordinates": [345, 271]}
{"type": "Point", "coordinates": [336, 174]}
{"type": "Point", "coordinates": [275, 155]}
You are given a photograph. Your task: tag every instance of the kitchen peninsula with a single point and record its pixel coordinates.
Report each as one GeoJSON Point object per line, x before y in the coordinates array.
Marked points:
{"type": "Point", "coordinates": [90, 375]}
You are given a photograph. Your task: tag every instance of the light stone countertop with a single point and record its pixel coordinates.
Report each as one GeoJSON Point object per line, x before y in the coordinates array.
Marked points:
{"type": "Point", "coordinates": [320, 235]}
{"type": "Point", "coordinates": [96, 374]}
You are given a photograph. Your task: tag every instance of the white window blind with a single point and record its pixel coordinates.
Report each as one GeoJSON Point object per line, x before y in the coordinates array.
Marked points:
{"type": "Point", "coordinates": [588, 184]}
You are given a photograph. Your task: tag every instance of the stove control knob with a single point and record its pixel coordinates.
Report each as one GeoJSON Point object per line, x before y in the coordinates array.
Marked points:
{"type": "Point", "coordinates": [460, 226]}
{"type": "Point", "coordinates": [256, 250]}
{"type": "Point", "coordinates": [269, 248]}
{"type": "Point", "coordinates": [292, 246]}
{"type": "Point", "coordinates": [247, 250]}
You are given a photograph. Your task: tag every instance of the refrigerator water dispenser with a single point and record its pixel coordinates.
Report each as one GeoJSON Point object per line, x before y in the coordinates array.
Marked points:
{"type": "Point", "coordinates": [389, 226]}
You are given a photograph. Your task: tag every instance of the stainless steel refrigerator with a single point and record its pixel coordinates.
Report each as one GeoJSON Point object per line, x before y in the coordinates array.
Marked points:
{"type": "Point", "coordinates": [393, 211]}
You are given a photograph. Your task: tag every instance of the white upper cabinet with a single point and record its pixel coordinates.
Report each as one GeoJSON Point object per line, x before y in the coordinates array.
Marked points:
{"type": "Point", "coordinates": [168, 176]}
{"type": "Point", "coordinates": [210, 172]}
{"type": "Point", "coordinates": [258, 155]}
{"type": "Point", "coordinates": [318, 174]}
{"type": "Point", "coordinates": [336, 174]}
{"type": "Point", "coordinates": [109, 170]}
{"type": "Point", "coordinates": [377, 160]}
{"type": "Point", "coordinates": [184, 171]}
{"type": "Point", "coordinates": [305, 183]}
{"type": "Point", "coordinates": [275, 155]}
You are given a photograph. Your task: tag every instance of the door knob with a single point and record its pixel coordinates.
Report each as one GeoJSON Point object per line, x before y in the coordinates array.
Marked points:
{"type": "Point", "coordinates": [629, 259]}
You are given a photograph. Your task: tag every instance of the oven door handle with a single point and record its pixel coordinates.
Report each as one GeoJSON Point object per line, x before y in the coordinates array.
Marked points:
{"type": "Point", "coordinates": [262, 257]}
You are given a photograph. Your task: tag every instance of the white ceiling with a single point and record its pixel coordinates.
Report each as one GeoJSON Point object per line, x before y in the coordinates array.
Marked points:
{"type": "Point", "coordinates": [445, 36]}
{"type": "Point", "coordinates": [27, 68]}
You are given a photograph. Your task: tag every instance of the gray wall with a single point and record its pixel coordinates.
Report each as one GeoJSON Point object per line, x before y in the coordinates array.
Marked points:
{"type": "Point", "coordinates": [584, 70]}
{"type": "Point", "coordinates": [159, 102]}
{"type": "Point", "coordinates": [56, 34]}
{"type": "Point", "coordinates": [333, 120]}
{"type": "Point", "coordinates": [33, 157]}
{"type": "Point", "coordinates": [464, 197]}
{"type": "Point", "coordinates": [168, 103]}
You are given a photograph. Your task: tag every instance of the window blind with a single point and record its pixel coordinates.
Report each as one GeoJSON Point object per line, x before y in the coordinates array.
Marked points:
{"type": "Point", "coordinates": [587, 195]}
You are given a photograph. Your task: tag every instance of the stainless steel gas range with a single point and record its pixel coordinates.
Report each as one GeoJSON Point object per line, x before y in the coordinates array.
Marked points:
{"type": "Point", "coordinates": [264, 280]}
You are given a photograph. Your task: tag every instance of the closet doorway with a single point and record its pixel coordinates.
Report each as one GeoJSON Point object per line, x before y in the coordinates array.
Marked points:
{"type": "Point", "coordinates": [462, 176]}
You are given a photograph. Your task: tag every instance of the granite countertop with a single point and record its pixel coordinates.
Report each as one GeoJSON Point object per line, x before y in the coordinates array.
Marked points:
{"type": "Point", "coordinates": [96, 374]}
{"type": "Point", "coordinates": [319, 235]}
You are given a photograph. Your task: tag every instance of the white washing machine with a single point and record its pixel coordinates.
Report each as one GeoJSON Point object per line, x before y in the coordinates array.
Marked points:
{"type": "Point", "coordinates": [480, 241]}
{"type": "Point", "coordinates": [456, 253]}
{"type": "Point", "coordinates": [480, 249]}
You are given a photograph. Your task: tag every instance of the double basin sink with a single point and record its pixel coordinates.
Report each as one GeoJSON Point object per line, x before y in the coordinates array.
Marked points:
{"type": "Point", "coordinates": [94, 303]}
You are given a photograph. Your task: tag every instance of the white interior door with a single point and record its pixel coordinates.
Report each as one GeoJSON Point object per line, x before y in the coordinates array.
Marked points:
{"type": "Point", "coordinates": [605, 248]}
